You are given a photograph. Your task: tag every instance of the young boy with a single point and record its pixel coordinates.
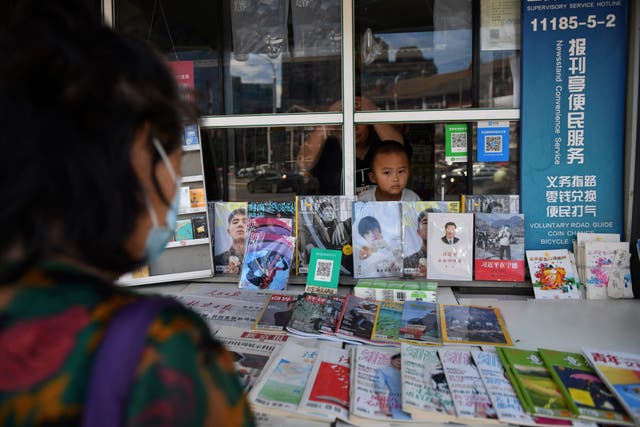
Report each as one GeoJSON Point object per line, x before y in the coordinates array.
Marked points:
{"type": "Point", "coordinates": [390, 173]}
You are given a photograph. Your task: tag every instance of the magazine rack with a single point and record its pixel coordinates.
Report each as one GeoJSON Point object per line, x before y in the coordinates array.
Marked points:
{"type": "Point", "coordinates": [190, 258]}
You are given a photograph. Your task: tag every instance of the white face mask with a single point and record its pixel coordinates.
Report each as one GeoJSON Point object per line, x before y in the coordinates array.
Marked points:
{"type": "Point", "coordinates": [160, 235]}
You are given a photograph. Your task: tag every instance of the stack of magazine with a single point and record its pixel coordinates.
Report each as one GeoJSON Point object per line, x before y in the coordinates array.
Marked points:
{"type": "Point", "coordinates": [354, 319]}
{"type": "Point", "coordinates": [369, 385]}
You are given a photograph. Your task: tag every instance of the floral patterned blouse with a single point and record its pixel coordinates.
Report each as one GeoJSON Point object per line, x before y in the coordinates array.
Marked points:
{"type": "Point", "coordinates": [50, 328]}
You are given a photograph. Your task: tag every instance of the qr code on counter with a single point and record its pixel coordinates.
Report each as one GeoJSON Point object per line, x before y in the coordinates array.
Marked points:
{"type": "Point", "coordinates": [493, 144]}
{"type": "Point", "coordinates": [324, 268]}
{"type": "Point", "coordinates": [458, 142]}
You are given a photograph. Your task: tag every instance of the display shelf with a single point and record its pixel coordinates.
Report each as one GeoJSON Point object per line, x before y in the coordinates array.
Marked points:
{"type": "Point", "coordinates": [189, 211]}
{"type": "Point", "coordinates": [129, 280]}
{"type": "Point", "coordinates": [192, 147]}
{"type": "Point", "coordinates": [190, 242]}
{"type": "Point", "coordinates": [192, 178]}
{"type": "Point", "coordinates": [190, 258]}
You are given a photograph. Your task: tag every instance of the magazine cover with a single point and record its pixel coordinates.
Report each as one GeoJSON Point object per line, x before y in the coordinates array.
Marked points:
{"type": "Point", "coordinates": [276, 312]}
{"type": "Point", "coordinates": [271, 225]}
{"type": "Point", "coordinates": [442, 206]}
{"type": "Point", "coordinates": [251, 351]}
{"type": "Point", "coordinates": [540, 395]}
{"type": "Point", "coordinates": [230, 226]}
{"type": "Point", "coordinates": [326, 394]}
{"type": "Point", "coordinates": [184, 230]}
{"type": "Point", "coordinates": [307, 316]}
{"type": "Point", "coordinates": [420, 322]}
{"type": "Point", "coordinates": [271, 209]}
{"type": "Point", "coordinates": [598, 264]}
{"type": "Point", "coordinates": [220, 311]}
{"type": "Point", "coordinates": [587, 396]}
{"type": "Point", "coordinates": [283, 380]}
{"type": "Point", "coordinates": [552, 274]}
{"type": "Point", "coordinates": [468, 324]}
{"type": "Point", "coordinates": [490, 203]}
{"type": "Point", "coordinates": [377, 384]}
{"type": "Point", "coordinates": [357, 318]}
{"type": "Point", "coordinates": [499, 247]}
{"type": "Point", "coordinates": [450, 243]}
{"type": "Point", "coordinates": [267, 261]}
{"type": "Point", "coordinates": [190, 134]}
{"type": "Point", "coordinates": [621, 372]}
{"type": "Point", "coordinates": [200, 229]}
{"type": "Point", "coordinates": [469, 395]}
{"type": "Point", "coordinates": [331, 315]}
{"type": "Point", "coordinates": [620, 284]}
{"type": "Point", "coordinates": [386, 327]}
{"type": "Point", "coordinates": [324, 222]}
{"type": "Point", "coordinates": [414, 238]}
{"type": "Point", "coordinates": [425, 391]}
{"type": "Point", "coordinates": [503, 397]}
{"type": "Point", "coordinates": [197, 198]}
{"type": "Point", "coordinates": [377, 239]}
{"type": "Point", "coordinates": [414, 233]}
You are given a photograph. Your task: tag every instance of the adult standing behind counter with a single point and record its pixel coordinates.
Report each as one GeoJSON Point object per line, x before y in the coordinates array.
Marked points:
{"type": "Point", "coordinates": [321, 153]}
{"type": "Point", "coordinates": [89, 191]}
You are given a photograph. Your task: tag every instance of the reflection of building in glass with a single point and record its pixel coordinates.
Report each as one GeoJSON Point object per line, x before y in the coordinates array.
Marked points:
{"type": "Point", "coordinates": [310, 83]}
{"type": "Point", "coordinates": [251, 98]}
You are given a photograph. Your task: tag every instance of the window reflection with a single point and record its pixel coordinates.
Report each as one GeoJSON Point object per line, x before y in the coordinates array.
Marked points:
{"type": "Point", "coordinates": [265, 163]}
{"type": "Point", "coordinates": [182, 31]}
{"type": "Point", "coordinates": [261, 164]}
{"type": "Point", "coordinates": [420, 59]}
{"type": "Point", "coordinates": [283, 62]}
{"type": "Point", "coordinates": [499, 54]}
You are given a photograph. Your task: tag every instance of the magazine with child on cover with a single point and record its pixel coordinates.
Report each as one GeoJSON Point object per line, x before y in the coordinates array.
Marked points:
{"type": "Point", "coordinates": [377, 239]}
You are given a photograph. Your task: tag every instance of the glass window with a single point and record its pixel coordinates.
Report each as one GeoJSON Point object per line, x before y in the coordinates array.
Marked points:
{"type": "Point", "coordinates": [284, 57]}
{"type": "Point", "coordinates": [414, 54]}
{"type": "Point", "coordinates": [499, 54]}
{"type": "Point", "coordinates": [272, 163]}
{"type": "Point", "coordinates": [185, 32]}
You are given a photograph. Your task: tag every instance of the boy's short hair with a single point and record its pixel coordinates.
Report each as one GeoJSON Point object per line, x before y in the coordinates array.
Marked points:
{"type": "Point", "coordinates": [239, 211]}
{"type": "Point", "coordinates": [368, 224]}
{"type": "Point", "coordinates": [387, 147]}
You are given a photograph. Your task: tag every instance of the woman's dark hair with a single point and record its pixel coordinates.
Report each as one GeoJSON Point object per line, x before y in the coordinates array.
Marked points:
{"type": "Point", "coordinates": [73, 93]}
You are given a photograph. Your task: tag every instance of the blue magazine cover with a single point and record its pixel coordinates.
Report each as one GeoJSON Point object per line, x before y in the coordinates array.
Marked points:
{"type": "Point", "coordinates": [267, 262]}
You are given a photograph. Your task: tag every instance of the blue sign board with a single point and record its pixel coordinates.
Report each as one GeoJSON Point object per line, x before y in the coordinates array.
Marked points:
{"type": "Point", "coordinates": [572, 128]}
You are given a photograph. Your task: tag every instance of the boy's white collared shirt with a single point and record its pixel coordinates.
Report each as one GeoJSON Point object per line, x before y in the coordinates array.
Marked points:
{"type": "Point", "coordinates": [370, 195]}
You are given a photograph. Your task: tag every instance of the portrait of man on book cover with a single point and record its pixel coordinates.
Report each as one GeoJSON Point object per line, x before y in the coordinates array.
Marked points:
{"type": "Point", "coordinates": [450, 243]}
{"type": "Point", "coordinates": [449, 237]}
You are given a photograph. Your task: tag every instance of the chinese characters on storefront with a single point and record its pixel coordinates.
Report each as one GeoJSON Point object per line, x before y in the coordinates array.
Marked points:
{"type": "Point", "coordinates": [573, 94]}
